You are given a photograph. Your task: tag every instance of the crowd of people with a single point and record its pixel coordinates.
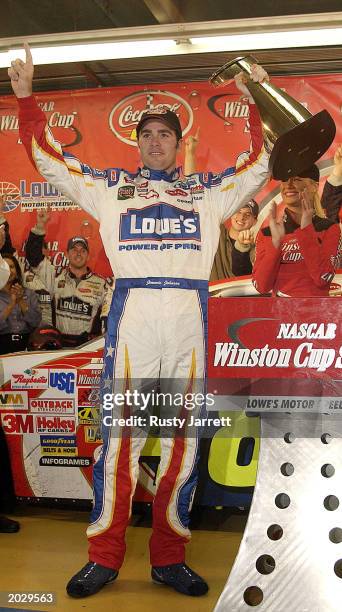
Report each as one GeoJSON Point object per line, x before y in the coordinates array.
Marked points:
{"type": "Point", "coordinates": [157, 320]}
{"type": "Point", "coordinates": [70, 305]}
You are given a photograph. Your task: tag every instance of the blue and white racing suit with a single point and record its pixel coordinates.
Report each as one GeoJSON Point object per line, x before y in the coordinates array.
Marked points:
{"type": "Point", "coordinates": [160, 233]}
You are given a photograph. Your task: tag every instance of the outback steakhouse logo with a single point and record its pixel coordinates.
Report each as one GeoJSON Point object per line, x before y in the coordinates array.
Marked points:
{"type": "Point", "coordinates": [126, 114]}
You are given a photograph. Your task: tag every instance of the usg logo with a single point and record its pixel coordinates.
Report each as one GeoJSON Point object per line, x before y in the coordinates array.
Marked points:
{"type": "Point", "coordinates": [126, 114]}
{"type": "Point", "coordinates": [63, 381]}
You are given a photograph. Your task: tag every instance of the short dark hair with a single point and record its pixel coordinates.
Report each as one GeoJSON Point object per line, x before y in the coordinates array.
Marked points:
{"type": "Point", "coordinates": [16, 265]}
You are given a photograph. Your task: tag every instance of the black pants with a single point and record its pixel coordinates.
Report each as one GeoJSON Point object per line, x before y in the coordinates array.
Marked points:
{"type": "Point", "coordinates": [11, 343]}
{"type": "Point", "coordinates": [7, 497]}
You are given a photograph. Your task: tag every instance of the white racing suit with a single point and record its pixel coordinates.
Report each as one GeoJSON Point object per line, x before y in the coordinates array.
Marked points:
{"type": "Point", "coordinates": [160, 234]}
{"type": "Point", "coordinates": [72, 304]}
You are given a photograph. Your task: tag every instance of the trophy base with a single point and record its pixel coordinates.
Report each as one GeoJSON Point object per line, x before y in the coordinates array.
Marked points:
{"type": "Point", "coordinates": [299, 148]}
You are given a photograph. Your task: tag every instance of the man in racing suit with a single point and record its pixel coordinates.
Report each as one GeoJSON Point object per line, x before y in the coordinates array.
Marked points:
{"type": "Point", "coordinates": [160, 234]}
{"type": "Point", "coordinates": [76, 294]}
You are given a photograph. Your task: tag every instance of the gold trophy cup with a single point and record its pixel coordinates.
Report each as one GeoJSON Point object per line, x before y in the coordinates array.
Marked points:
{"type": "Point", "coordinates": [297, 138]}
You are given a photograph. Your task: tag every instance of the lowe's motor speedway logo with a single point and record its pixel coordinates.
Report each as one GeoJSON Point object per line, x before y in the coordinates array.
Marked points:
{"type": "Point", "coordinates": [159, 222]}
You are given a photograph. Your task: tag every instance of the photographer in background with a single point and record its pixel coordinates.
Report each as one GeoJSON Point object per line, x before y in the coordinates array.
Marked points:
{"type": "Point", "coordinates": [19, 310]}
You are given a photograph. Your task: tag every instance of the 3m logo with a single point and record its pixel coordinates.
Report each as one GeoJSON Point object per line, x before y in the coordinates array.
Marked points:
{"type": "Point", "coordinates": [14, 400]}
{"type": "Point", "coordinates": [63, 381]}
{"type": "Point", "coordinates": [17, 423]}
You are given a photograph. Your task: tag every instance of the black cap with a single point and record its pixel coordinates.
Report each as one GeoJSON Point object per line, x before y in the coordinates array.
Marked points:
{"type": "Point", "coordinates": [312, 173]}
{"type": "Point", "coordinates": [161, 114]}
{"type": "Point", "coordinates": [253, 207]}
{"type": "Point", "coordinates": [77, 240]}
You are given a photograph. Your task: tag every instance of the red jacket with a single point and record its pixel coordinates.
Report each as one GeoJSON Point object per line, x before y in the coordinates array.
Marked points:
{"type": "Point", "coordinates": [305, 263]}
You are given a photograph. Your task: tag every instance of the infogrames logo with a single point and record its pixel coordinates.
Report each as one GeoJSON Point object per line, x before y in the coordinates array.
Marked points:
{"type": "Point", "coordinates": [126, 114]}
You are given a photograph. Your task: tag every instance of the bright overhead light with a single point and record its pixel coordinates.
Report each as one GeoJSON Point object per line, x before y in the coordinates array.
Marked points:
{"type": "Point", "coordinates": [269, 40]}
{"type": "Point", "coordinates": [314, 30]}
{"type": "Point", "coordinates": [60, 54]}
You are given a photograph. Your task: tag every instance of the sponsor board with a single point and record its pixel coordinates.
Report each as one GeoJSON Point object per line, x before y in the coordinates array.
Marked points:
{"type": "Point", "coordinates": [89, 378]}
{"type": "Point", "coordinates": [65, 461]}
{"type": "Point", "coordinates": [30, 379]}
{"type": "Point", "coordinates": [54, 406]}
{"type": "Point", "coordinates": [16, 400]}
{"type": "Point", "coordinates": [88, 397]}
{"type": "Point", "coordinates": [92, 434]}
{"type": "Point", "coordinates": [58, 445]}
{"type": "Point", "coordinates": [88, 415]}
{"type": "Point", "coordinates": [63, 380]}
{"type": "Point", "coordinates": [33, 423]}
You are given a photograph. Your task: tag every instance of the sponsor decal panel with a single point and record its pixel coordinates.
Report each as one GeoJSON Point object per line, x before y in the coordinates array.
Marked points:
{"type": "Point", "coordinates": [17, 400]}
{"type": "Point", "coordinates": [88, 415]}
{"type": "Point", "coordinates": [58, 445]}
{"type": "Point", "coordinates": [88, 397]}
{"type": "Point", "coordinates": [63, 380]}
{"type": "Point", "coordinates": [50, 405]}
{"type": "Point", "coordinates": [89, 378]}
{"type": "Point", "coordinates": [92, 434]}
{"type": "Point", "coordinates": [30, 379]}
{"type": "Point", "coordinates": [126, 192]}
{"type": "Point", "coordinates": [65, 461]}
{"type": "Point", "coordinates": [33, 423]}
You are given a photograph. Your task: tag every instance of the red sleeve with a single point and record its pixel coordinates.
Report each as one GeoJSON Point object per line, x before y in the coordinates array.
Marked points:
{"type": "Point", "coordinates": [257, 138]}
{"type": "Point", "coordinates": [266, 265]}
{"type": "Point", "coordinates": [32, 126]}
{"type": "Point", "coordinates": [321, 252]}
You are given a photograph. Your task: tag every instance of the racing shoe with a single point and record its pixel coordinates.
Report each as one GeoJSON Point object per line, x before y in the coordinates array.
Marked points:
{"type": "Point", "coordinates": [90, 579]}
{"type": "Point", "coordinates": [181, 578]}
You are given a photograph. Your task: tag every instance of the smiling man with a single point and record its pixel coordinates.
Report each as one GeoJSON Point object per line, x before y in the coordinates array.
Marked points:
{"type": "Point", "coordinates": [160, 233]}
{"type": "Point", "coordinates": [73, 300]}
{"type": "Point", "coordinates": [297, 255]}
{"type": "Point", "coordinates": [236, 249]}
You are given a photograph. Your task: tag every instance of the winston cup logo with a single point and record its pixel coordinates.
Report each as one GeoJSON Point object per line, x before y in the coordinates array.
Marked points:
{"type": "Point", "coordinates": [126, 114]}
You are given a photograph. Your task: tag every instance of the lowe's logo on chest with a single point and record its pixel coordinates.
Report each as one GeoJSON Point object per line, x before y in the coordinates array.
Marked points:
{"type": "Point", "coordinates": [159, 222]}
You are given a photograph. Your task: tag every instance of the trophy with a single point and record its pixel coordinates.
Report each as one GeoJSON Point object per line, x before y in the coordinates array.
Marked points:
{"type": "Point", "coordinates": [297, 138]}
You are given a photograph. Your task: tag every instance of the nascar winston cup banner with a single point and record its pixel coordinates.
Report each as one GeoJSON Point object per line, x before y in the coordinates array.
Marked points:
{"type": "Point", "coordinates": [275, 354]}
{"type": "Point", "coordinates": [98, 126]}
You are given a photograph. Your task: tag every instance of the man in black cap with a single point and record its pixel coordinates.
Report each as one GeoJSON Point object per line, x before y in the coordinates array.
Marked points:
{"type": "Point", "coordinates": [76, 294]}
{"type": "Point", "coordinates": [160, 234]}
{"type": "Point", "coordinates": [298, 254]}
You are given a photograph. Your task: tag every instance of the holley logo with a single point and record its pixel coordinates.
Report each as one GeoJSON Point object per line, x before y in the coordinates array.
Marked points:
{"type": "Point", "coordinates": [30, 379]}
{"type": "Point", "coordinates": [126, 114]}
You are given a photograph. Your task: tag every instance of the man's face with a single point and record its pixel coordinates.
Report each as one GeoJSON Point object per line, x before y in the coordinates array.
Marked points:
{"type": "Point", "coordinates": [243, 219]}
{"type": "Point", "coordinates": [158, 146]}
{"type": "Point", "coordinates": [292, 189]}
{"type": "Point", "coordinates": [12, 269]}
{"type": "Point", "coordinates": [78, 256]}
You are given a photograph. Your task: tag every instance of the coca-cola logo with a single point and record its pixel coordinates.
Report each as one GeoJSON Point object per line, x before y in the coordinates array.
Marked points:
{"type": "Point", "coordinates": [126, 114]}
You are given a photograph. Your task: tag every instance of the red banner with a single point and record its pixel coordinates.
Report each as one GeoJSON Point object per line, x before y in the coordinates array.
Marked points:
{"type": "Point", "coordinates": [98, 126]}
{"type": "Point", "coordinates": [276, 348]}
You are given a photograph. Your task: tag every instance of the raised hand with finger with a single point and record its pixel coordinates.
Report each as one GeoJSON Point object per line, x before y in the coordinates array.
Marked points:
{"type": "Point", "coordinates": [21, 74]}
